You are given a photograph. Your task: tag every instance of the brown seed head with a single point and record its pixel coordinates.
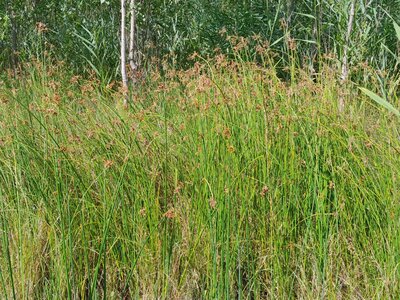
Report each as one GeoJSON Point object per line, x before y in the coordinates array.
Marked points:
{"type": "Point", "coordinates": [264, 191]}
{"type": "Point", "coordinates": [41, 27]}
{"type": "Point", "coordinates": [108, 163]}
{"type": "Point", "coordinates": [170, 214]}
{"type": "Point", "coordinates": [213, 203]}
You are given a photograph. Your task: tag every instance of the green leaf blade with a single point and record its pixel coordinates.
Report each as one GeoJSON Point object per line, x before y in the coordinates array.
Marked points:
{"type": "Point", "coordinates": [397, 28]}
{"type": "Point", "coordinates": [380, 101]}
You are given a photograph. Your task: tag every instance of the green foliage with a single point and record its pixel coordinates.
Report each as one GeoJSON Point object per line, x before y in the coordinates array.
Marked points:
{"type": "Point", "coordinates": [375, 97]}
{"type": "Point", "coordinates": [230, 175]}
{"type": "Point", "coordinates": [381, 101]}
{"type": "Point", "coordinates": [397, 28]}
{"type": "Point", "coordinates": [178, 28]}
{"type": "Point", "coordinates": [219, 182]}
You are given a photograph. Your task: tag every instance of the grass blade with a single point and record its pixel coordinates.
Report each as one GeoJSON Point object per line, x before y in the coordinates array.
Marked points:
{"type": "Point", "coordinates": [380, 101]}
{"type": "Point", "coordinates": [397, 28]}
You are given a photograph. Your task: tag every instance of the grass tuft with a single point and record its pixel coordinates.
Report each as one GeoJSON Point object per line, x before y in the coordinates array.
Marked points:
{"type": "Point", "coordinates": [218, 182]}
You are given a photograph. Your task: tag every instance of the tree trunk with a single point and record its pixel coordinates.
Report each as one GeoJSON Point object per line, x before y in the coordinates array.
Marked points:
{"type": "Point", "coordinates": [123, 55]}
{"type": "Point", "coordinates": [345, 60]}
{"type": "Point", "coordinates": [132, 44]}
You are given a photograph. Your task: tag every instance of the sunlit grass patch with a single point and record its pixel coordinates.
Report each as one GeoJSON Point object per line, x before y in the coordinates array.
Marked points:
{"type": "Point", "coordinates": [222, 181]}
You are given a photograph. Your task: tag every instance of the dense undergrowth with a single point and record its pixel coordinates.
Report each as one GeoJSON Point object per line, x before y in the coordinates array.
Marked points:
{"type": "Point", "coordinates": [218, 182]}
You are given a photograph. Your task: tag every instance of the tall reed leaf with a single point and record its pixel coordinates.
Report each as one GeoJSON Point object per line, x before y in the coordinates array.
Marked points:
{"type": "Point", "coordinates": [397, 28]}
{"type": "Point", "coordinates": [380, 101]}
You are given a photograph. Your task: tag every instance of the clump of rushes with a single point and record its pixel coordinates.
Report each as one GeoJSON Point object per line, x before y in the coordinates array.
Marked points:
{"type": "Point", "coordinates": [219, 182]}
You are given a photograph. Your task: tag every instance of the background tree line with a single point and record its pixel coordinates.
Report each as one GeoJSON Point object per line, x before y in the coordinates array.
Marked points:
{"type": "Point", "coordinates": [85, 34]}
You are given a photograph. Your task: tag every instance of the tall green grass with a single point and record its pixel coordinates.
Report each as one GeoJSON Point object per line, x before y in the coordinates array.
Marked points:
{"type": "Point", "coordinates": [219, 182]}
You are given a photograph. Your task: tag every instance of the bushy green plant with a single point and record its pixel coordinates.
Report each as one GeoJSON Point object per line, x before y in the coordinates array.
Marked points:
{"type": "Point", "coordinates": [219, 182]}
{"type": "Point", "coordinates": [180, 28]}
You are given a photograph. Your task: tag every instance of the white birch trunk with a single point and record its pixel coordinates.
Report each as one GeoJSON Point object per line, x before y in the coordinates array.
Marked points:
{"type": "Point", "coordinates": [132, 44]}
{"type": "Point", "coordinates": [123, 54]}
{"type": "Point", "coordinates": [345, 61]}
